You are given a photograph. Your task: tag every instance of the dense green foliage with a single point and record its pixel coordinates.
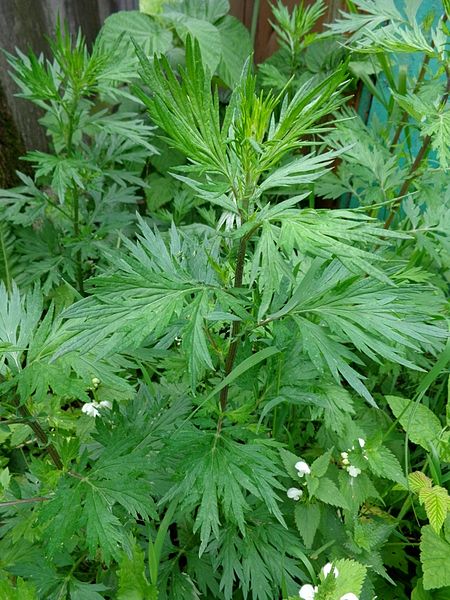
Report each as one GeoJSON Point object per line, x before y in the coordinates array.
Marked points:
{"type": "Point", "coordinates": [213, 386]}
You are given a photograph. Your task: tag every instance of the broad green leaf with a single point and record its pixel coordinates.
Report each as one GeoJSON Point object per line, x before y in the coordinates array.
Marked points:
{"type": "Point", "coordinates": [419, 593]}
{"type": "Point", "coordinates": [320, 466]}
{"type": "Point", "coordinates": [435, 558]}
{"type": "Point", "coordinates": [206, 34]}
{"type": "Point", "coordinates": [289, 460]}
{"type": "Point", "coordinates": [236, 47]}
{"type": "Point", "coordinates": [307, 518]}
{"type": "Point", "coordinates": [147, 32]}
{"type": "Point", "coordinates": [437, 505]}
{"type": "Point", "coordinates": [384, 463]}
{"type": "Point", "coordinates": [328, 492]}
{"type": "Point", "coordinates": [351, 577]}
{"type": "Point", "coordinates": [152, 7]}
{"type": "Point", "coordinates": [204, 10]}
{"type": "Point", "coordinates": [421, 424]}
{"type": "Point", "coordinates": [417, 481]}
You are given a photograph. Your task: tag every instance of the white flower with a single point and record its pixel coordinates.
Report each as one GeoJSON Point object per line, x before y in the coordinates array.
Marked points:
{"type": "Point", "coordinates": [353, 472]}
{"type": "Point", "coordinates": [349, 596]}
{"type": "Point", "coordinates": [327, 570]}
{"type": "Point", "coordinates": [294, 493]}
{"type": "Point", "coordinates": [302, 468]}
{"type": "Point", "coordinates": [361, 442]}
{"type": "Point", "coordinates": [307, 592]}
{"type": "Point", "coordinates": [344, 454]}
{"type": "Point", "coordinates": [90, 408]}
{"type": "Point", "coordinates": [95, 381]}
{"type": "Point", "coordinates": [345, 461]}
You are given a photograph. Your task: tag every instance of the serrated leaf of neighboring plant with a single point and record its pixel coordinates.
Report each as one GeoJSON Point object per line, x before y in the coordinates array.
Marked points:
{"type": "Point", "coordinates": [436, 501]}
{"type": "Point", "coordinates": [418, 480]}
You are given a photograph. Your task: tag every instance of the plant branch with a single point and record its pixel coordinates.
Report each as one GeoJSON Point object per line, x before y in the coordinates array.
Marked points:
{"type": "Point", "coordinates": [404, 115]}
{"type": "Point", "coordinates": [41, 435]}
{"type": "Point", "coordinates": [420, 78]}
{"type": "Point", "coordinates": [76, 231]}
{"type": "Point", "coordinates": [23, 501]}
{"type": "Point", "coordinates": [418, 160]}
{"type": "Point", "coordinates": [235, 328]}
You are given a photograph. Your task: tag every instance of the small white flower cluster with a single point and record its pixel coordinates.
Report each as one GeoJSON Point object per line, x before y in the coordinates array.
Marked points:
{"type": "Point", "coordinates": [351, 469]}
{"type": "Point", "coordinates": [302, 469]}
{"type": "Point", "coordinates": [91, 408]}
{"type": "Point", "coordinates": [307, 592]}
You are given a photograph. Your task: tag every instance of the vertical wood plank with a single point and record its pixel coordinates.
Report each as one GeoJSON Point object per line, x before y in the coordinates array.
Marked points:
{"type": "Point", "coordinates": [107, 7]}
{"type": "Point", "coordinates": [23, 23]}
{"type": "Point", "coordinates": [11, 146]}
{"type": "Point", "coordinates": [82, 14]}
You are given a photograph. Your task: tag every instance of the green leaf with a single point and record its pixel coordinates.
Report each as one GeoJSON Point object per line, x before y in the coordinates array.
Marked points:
{"type": "Point", "coordinates": [151, 287]}
{"type": "Point", "coordinates": [307, 518]}
{"type": "Point", "coordinates": [81, 590]}
{"type": "Point", "coordinates": [133, 584]}
{"type": "Point", "coordinates": [328, 492]}
{"type": "Point", "coordinates": [236, 47]}
{"type": "Point", "coordinates": [87, 501]}
{"type": "Point", "coordinates": [194, 339]}
{"type": "Point", "coordinates": [211, 11]}
{"type": "Point", "coordinates": [435, 558]}
{"type": "Point", "coordinates": [437, 127]}
{"type": "Point", "coordinates": [417, 481]}
{"type": "Point", "coordinates": [147, 32]}
{"type": "Point", "coordinates": [351, 577]}
{"type": "Point", "coordinates": [299, 171]}
{"type": "Point", "coordinates": [5, 478]}
{"type": "Point", "coordinates": [437, 505]}
{"type": "Point", "coordinates": [289, 460]}
{"type": "Point", "coordinates": [419, 593]}
{"type": "Point", "coordinates": [320, 466]}
{"type": "Point", "coordinates": [21, 590]}
{"type": "Point", "coordinates": [219, 476]}
{"type": "Point", "coordinates": [241, 368]}
{"type": "Point", "coordinates": [384, 463]}
{"type": "Point", "coordinates": [152, 7]}
{"type": "Point", "coordinates": [206, 34]}
{"type": "Point", "coordinates": [421, 424]}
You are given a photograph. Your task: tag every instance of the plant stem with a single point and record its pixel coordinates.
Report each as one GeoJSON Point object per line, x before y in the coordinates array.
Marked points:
{"type": "Point", "coordinates": [23, 501]}
{"type": "Point", "coordinates": [41, 435]}
{"type": "Point", "coordinates": [418, 160]}
{"type": "Point", "coordinates": [76, 231]}
{"type": "Point", "coordinates": [404, 114]}
{"type": "Point", "coordinates": [255, 18]}
{"type": "Point", "coordinates": [71, 111]}
{"type": "Point", "coordinates": [420, 78]}
{"type": "Point", "coordinates": [8, 280]}
{"type": "Point", "coordinates": [235, 329]}
{"type": "Point", "coordinates": [411, 175]}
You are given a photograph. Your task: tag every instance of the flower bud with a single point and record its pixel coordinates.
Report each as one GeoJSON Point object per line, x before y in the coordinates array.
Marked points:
{"type": "Point", "coordinates": [294, 493]}
{"type": "Point", "coordinates": [302, 468]}
{"type": "Point", "coordinates": [326, 570]}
